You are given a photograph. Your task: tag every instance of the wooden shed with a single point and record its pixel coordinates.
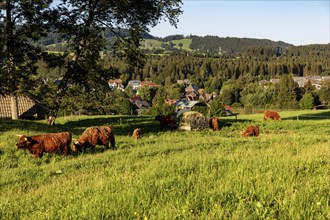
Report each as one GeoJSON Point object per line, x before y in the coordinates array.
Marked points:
{"type": "Point", "coordinates": [27, 108]}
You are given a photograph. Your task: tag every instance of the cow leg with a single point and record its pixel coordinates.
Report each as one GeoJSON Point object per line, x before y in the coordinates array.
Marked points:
{"type": "Point", "coordinates": [112, 143]}
{"type": "Point", "coordinates": [37, 154]}
{"type": "Point", "coordinates": [67, 150]}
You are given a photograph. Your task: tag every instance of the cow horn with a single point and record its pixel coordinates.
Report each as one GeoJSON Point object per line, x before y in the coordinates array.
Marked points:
{"type": "Point", "coordinates": [19, 135]}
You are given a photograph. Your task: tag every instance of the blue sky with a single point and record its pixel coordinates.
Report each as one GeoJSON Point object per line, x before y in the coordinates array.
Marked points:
{"type": "Point", "coordinates": [298, 22]}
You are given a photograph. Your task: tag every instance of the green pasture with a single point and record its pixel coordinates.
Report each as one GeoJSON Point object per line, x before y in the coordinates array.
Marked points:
{"type": "Point", "coordinates": [152, 43]}
{"type": "Point", "coordinates": [282, 174]}
{"type": "Point", "coordinates": [185, 44]}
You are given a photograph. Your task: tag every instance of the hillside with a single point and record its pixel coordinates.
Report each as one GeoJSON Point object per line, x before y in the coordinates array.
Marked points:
{"type": "Point", "coordinates": [232, 45]}
{"type": "Point", "coordinates": [209, 44]}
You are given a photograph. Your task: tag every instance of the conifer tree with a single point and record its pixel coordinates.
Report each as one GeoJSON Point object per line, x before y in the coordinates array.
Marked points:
{"type": "Point", "coordinates": [287, 92]}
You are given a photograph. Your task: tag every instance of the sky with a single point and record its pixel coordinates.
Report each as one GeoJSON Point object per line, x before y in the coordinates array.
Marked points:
{"type": "Point", "coordinates": [298, 22]}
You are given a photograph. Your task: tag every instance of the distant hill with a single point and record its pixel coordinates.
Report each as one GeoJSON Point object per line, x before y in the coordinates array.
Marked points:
{"type": "Point", "coordinates": [192, 43]}
{"type": "Point", "coordinates": [231, 45]}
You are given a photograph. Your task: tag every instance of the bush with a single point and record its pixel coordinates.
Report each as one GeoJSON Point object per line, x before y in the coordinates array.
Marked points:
{"type": "Point", "coordinates": [307, 101]}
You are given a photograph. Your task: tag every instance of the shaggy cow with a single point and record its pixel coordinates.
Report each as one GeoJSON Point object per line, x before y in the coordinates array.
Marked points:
{"type": "Point", "coordinates": [252, 130]}
{"type": "Point", "coordinates": [214, 123]}
{"type": "Point", "coordinates": [37, 145]}
{"type": "Point", "coordinates": [92, 136]}
{"type": "Point", "coordinates": [137, 133]}
{"type": "Point", "coordinates": [165, 121]}
{"type": "Point", "coordinates": [271, 115]}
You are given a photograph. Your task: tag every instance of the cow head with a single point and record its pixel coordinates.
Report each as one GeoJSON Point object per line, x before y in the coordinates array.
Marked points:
{"type": "Point", "coordinates": [24, 142]}
{"type": "Point", "coordinates": [77, 145]}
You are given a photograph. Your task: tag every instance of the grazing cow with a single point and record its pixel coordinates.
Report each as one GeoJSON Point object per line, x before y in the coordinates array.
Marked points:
{"type": "Point", "coordinates": [252, 130]}
{"type": "Point", "coordinates": [92, 136]}
{"type": "Point", "coordinates": [37, 145]}
{"type": "Point", "coordinates": [165, 121]}
{"type": "Point", "coordinates": [137, 133]}
{"type": "Point", "coordinates": [214, 123]}
{"type": "Point", "coordinates": [271, 115]}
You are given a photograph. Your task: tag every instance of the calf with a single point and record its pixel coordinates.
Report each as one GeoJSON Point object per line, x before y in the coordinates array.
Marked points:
{"type": "Point", "coordinates": [137, 133]}
{"type": "Point", "coordinates": [37, 145]}
{"type": "Point", "coordinates": [165, 121]}
{"type": "Point", "coordinates": [271, 115]}
{"type": "Point", "coordinates": [214, 123]}
{"type": "Point", "coordinates": [252, 130]}
{"type": "Point", "coordinates": [92, 136]}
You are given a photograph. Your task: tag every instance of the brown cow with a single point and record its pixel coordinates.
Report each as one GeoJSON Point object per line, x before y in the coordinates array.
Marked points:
{"type": "Point", "coordinates": [137, 133]}
{"type": "Point", "coordinates": [165, 121]}
{"type": "Point", "coordinates": [46, 143]}
{"type": "Point", "coordinates": [214, 123]}
{"type": "Point", "coordinates": [271, 115]}
{"type": "Point", "coordinates": [252, 130]}
{"type": "Point", "coordinates": [92, 136]}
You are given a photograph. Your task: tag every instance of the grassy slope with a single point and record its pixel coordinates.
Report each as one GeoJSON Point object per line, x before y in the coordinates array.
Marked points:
{"type": "Point", "coordinates": [151, 43]}
{"type": "Point", "coordinates": [281, 174]}
{"type": "Point", "coordinates": [185, 42]}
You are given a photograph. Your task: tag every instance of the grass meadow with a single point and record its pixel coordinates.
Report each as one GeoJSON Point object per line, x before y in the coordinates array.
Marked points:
{"type": "Point", "coordinates": [282, 174]}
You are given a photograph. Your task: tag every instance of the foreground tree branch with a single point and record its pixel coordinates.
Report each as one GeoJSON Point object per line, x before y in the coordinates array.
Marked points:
{"type": "Point", "coordinates": [83, 24]}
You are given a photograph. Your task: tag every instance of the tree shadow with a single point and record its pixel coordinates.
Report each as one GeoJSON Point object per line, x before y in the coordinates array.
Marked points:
{"type": "Point", "coordinates": [324, 115]}
{"type": "Point", "coordinates": [30, 125]}
{"type": "Point", "coordinates": [123, 125]}
{"type": "Point", "coordinates": [229, 121]}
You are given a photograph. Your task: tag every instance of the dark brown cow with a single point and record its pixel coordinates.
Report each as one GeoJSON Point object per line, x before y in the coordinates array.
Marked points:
{"type": "Point", "coordinates": [165, 121]}
{"type": "Point", "coordinates": [137, 133]}
{"type": "Point", "coordinates": [92, 136]}
{"type": "Point", "coordinates": [251, 131]}
{"type": "Point", "coordinates": [214, 123]}
{"type": "Point", "coordinates": [271, 115]}
{"type": "Point", "coordinates": [37, 145]}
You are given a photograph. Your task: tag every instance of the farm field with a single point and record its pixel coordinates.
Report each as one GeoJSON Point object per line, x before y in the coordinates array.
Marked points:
{"type": "Point", "coordinates": [282, 174]}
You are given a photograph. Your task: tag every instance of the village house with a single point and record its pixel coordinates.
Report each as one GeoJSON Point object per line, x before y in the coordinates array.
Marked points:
{"type": "Point", "coordinates": [149, 84]}
{"type": "Point", "coordinates": [135, 84]}
{"type": "Point", "coordinates": [184, 81]}
{"type": "Point", "coordinates": [191, 92]}
{"type": "Point", "coordinates": [116, 84]}
{"type": "Point", "coordinates": [139, 104]}
{"type": "Point", "coordinates": [301, 81]}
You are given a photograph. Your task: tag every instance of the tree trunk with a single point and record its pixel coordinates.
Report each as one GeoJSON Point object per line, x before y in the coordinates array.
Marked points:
{"type": "Point", "coordinates": [14, 107]}
{"type": "Point", "coordinates": [9, 32]}
{"type": "Point", "coordinates": [62, 88]}
{"type": "Point", "coordinates": [57, 103]}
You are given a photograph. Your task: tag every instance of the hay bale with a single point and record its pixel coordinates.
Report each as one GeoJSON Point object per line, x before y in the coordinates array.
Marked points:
{"type": "Point", "coordinates": [193, 120]}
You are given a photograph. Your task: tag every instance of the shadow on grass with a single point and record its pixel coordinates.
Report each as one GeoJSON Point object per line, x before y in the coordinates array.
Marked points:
{"type": "Point", "coordinates": [226, 122]}
{"type": "Point", "coordinates": [97, 150]}
{"type": "Point", "coordinates": [30, 125]}
{"type": "Point", "coordinates": [324, 115]}
{"type": "Point", "coordinates": [123, 125]}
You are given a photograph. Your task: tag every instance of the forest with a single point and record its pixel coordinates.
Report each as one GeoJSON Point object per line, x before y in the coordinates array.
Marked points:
{"type": "Point", "coordinates": [233, 78]}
